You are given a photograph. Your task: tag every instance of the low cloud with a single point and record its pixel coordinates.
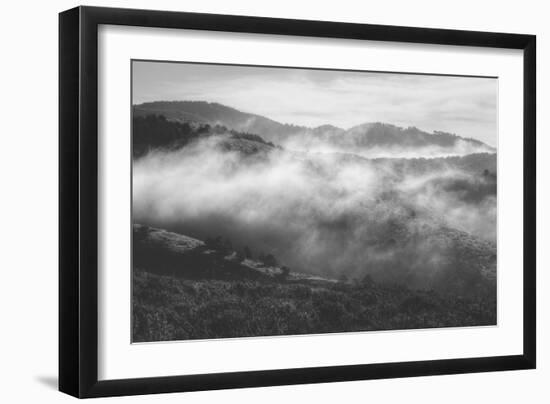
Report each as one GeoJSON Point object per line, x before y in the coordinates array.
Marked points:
{"type": "Point", "coordinates": [460, 148]}
{"type": "Point", "coordinates": [326, 213]}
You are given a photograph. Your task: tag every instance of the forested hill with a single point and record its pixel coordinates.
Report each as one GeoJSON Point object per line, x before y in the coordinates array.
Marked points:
{"type": "Point", "coordinates": [364, 136]}
{"type": "Point", "coordinates": [156, 132]}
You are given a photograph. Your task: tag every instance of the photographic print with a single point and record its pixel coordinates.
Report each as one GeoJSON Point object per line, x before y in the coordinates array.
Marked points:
{"type": "Point", "coordinates": [273, 201]}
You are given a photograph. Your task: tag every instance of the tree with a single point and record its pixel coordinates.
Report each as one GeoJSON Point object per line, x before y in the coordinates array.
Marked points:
{"type": "Point", "coordinates": [285, 271]}
{"type": "Point", "coordinates": [270, 260]}
{"type": "Point", "coordinates": [240, 256]}
{"type": "Point", "coordinates": [261, 257]}
{"type": "Point", "coordinates": [209, 242]}
{"type": "Point", "coordinates": [227, 245]}
{"type": "Point", "coordinates": [247, 252]}
{"type": "Point", "coordinates": [367, 280]}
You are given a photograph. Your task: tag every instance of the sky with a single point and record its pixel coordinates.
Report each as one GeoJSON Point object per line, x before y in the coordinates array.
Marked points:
{"type": "Point", "coordinates": [466, 106]}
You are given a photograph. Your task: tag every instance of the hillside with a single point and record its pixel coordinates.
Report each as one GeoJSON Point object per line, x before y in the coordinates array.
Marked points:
{"type": "Point", "coordinates": [217, 114]}
{"type": "Point", "coordinates": [372, 139]}
{"type": "Point", "coordinates": [466, 265]}
{"type": "Point", "coordinates": [156, 132]}
{"type": "Point", "coordinates": [152, 132]}
{"type": "Point", "coordinates": [205, 290]}
{"type": "Point", "coordinates": [167, 253]}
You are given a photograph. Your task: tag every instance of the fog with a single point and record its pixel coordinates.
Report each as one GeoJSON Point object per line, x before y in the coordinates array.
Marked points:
{"type": "Point", "coordinates": [321, 212]}
{"type": "Point", "coordinates": [460, 148]}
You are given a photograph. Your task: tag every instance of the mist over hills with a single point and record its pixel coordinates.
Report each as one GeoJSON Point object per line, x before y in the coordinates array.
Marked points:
{"type": "Point", "coordinates": [244, 226]}
{"type": "Point", "coordinates": [368, 139]}
{"type": "Point", "coordinates": [330, 214]}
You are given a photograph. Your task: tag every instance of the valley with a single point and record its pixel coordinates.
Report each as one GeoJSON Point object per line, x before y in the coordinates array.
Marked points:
{"type": "Point", "coordinates": [244, 226]}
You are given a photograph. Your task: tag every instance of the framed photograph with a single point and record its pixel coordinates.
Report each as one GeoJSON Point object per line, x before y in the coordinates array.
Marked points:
{"type": "Point", "coordinates": [251, 201]}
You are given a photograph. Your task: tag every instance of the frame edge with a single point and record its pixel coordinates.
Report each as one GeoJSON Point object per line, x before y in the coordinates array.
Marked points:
{"type": "Point", "coordinates": [69, 82]}
{"type": "Point", "coordinates": [78, 289]}
{"type": "Point", "coordinates": [530, 201]}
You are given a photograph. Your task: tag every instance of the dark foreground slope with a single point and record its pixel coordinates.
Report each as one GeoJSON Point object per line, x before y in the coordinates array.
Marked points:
{"type": "Point", "coordinates": [170, 308]}
{"type": "Point", "coordinates": [184, 288]}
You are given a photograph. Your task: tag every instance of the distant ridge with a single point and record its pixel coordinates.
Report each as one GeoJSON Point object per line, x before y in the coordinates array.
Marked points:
{"type": "Point", "coordinates": [367, 135]}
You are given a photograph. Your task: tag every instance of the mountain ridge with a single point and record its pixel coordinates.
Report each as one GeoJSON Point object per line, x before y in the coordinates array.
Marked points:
{"type": "Point", "coordinates": [366, 135]}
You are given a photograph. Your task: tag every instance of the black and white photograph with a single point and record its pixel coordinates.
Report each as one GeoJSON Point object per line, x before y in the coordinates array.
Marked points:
{"type": "Point", "coordinates": [274, 201]}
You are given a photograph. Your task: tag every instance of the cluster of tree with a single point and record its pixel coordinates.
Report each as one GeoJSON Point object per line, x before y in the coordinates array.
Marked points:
{"type": "Point", "coordinates": [219, 244]}
{"type": "Point", "coordinates": [471, 163]}
{"type": "Point", "coordinates": [151, 132]}
{"type": "Point", "coordinates": [383, 134]}
{"type": "Point", "coordinates": [156, 132]}
{"type": "Point", "coordinates": [224, 246]}
{"type": "Point", "coordinates": [249, 136]}
{"type": "Point", "coordinates": [365, 280]}
{"type": "Point", "coordinates": [268, 259]}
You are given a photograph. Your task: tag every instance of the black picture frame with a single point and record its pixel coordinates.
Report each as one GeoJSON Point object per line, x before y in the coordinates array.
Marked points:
{"type": "Point", "coordinates": [78, 201]}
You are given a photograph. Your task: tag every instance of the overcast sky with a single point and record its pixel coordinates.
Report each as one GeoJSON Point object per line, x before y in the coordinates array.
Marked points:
{"type": "Point", "coordinates": [462, 105]}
